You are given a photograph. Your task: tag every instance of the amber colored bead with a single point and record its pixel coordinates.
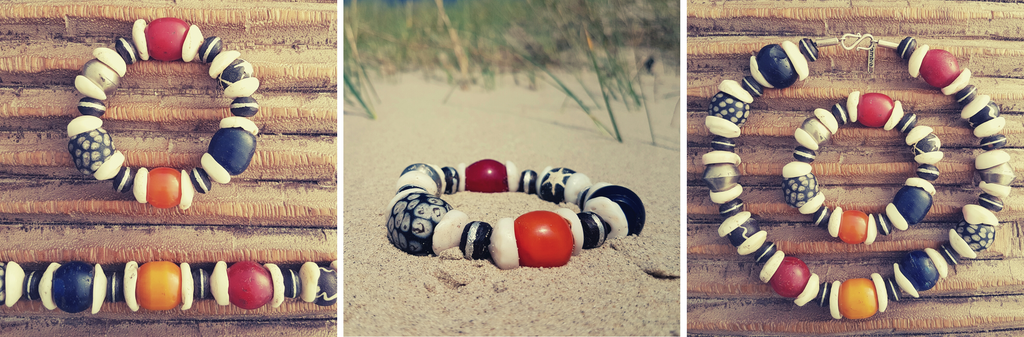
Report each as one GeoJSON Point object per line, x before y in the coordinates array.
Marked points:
{"type": "Point", "coordinates": [159, 285]}
{"type": "Point", "coordinates": [164, 188]}
{"type": "Point", "coordinates": [857, 298]}
{"type": "Point", "coordinates": [939, 68]}
{"type": "Point", "coordinates": [791, 277]}
{"type": "Point", "coordinates": [853, 228]}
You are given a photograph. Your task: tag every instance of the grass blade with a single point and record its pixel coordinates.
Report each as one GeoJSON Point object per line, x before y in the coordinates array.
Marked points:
{"type": "Point", "coordinates": [352, 89]}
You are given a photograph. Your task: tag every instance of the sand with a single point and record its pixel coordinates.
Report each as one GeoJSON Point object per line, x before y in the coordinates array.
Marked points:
{"type": "Point", "coordinates": [628, 286]}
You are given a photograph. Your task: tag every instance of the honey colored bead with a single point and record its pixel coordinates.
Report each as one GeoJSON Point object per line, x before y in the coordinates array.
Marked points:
{"type": "Point", "coordinates": [939, 68]}
{"type": "Point", "coordinates": [857, 298]}
{"type": "Point", "coordinates": [874, 110]}
{"type": "Point", "coordinates": [853, 228]}
{"type": "Point", "coordinates": [159, 285]}
{"type": "Point", "coordinates": [790, 278]}
{"type": "Point", "coordinates": [164, 188]}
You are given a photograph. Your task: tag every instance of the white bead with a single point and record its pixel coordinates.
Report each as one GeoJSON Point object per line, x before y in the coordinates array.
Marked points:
{"type": "Point", "coordinates": [813, 204]}
{"type": "Point", "coordinates": [141, 185]}
{"type": "Point", "coordinates": [193, 40]}
{"type": "Point", "coordinates": [418, 179]}
{"type": "Point", "coordinates": [959, 83]}
{"type": "Point", "coordinates": [188, 192]}
{"type": "Point", "coordinates": [310, 275]}
{"type": "Point", "coordinates": [756, 72]}
{"type": "Point", "coordinates": [826, 118]}
{"type": "Point", "coordinates": [771, 266]}
{"type": "Point", "coordinates": [139, 38]}
{"type": "Point", "coordinates": [718, 126]}
{"type": "Point", "coordinates": [929, 158]}
{"type": "Point", "coordinates": [896, 218]}
{"type": "Point", "coordinates": [733, 222]}
{"type": "Point", "coordinates": [721, 157]}
{"type": "Point", "coordinates": [461, 169]}
{"type": "Point", "coordinates": [872, 231]}
{"type": "Point", "coordinates": [131, 278]}
{"type": "Point", "coordinates": [448, 232]}
{"type": "Point", "coordinates": [918, 133]}
{"type": "Point", "coordinates": [834, 221]}
{"type": "Point", "coordinates": [939, 261]}
{"type": "Point", "coordinates": [222, 61]}
{"type": "Point", "coordinates": [575, 225]}
{"type": "Point", "coordinates": [734, 89]}
{"type": "Point", "coordinates": [914, 63]}
{"type": "Point", "coordinates": [112, 59]}
{"type": "Point", "coordinates": [727, 195]}
{"type": "Point", "coordinates": [796, 169]}
{"type": "Point", "coordinates": [752, 243]}
{"type": "Point", "coordinates": [46, 286]}
{"type": "Point", "coordinates": [89, 88]}
{"type": "Point", "coordinates": [990, 127]}
{"type": "Point", "coordinates": [611, 213]}
{"type": "Point", "coordinates": [577, 183]}
{"type": "Point", "coordinates": [109, 168]}
{"type": "Point", "coordinates": [83, 124]}
{"type": "Point", "coordinates": [918, 182]}
{"type": "Point", "coordinates": [187, 287]}
{"type": "Point", "coordinates": [504, 251]}
{"type": "Point", "coordinates": [540, 178]}
{"type": "Point", "coordinates": [895, 117]}
{"type": "Point", "coordinates": [851, 105]}
{"type": "Point", "coordinates": [278, 279]}
{"type": "Point", "coordinates": [242, 122]}
{"type": "Point", "coordinates": [833, 300]}
{"type": "Point", "coordinates": [219, 283]}
{"type": "Point", "coordinates": [796, 59]}
{"type": "Point", "coordinates": [995, 189]}
{"type": "Point", "coordinates": [243, 88]}
{"type": "Point", "coordinates": [880, 292]}
{"type": "Point", "coordinates": [961, 246]}
{"type": "Point", "coordinates": [512, 172]}
{"type": "Point", "coordinates": [977, 215]}
{"type": "Point", "coordinates": [810, 291]}
{"type": "Point", "coordinates": [974, 106]}
{"type": "Point", "coordinates": [805, 139]}
{"type": "Point", "coordinates": [14, 278]}
{"type": "Point", "coordinates": [215, 171]}
{"type": "Point", "coordinates": [903, 282]}
{"type": "Point", "coordinates": [990, 159]}
{"type": "Point", "coordinates": [99, 288]}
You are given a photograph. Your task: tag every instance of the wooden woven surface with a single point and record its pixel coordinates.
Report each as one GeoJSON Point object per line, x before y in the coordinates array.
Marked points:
{"type": "Point", "coordinates": [859, 168]}
{"type": "Point", "coordinates": [282, 210]}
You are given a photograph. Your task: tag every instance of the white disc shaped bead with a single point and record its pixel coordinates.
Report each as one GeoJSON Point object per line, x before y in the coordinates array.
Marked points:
{"type": "Point", "coordinates": [89, 88]}
{"type": "Point", "coordinates": [418, 179]}
{"type": "Point", "coordinates": [810, 291]}
{"type": "Point", "coordinates": [805, 138]}
{"type": "Point", "coordinates": [903, 282]}
{"type": "Point", "coordinates": [141, 185]}
{"type": "Point", "coordinates": [14, 279]}
{"type": "Point", "coordinates": [795, 169]}
{"type": "Point", "coordinates": [771, 266]}
{"type": "Point", "coordinates": [83, 124]}
{"type": "Point", "coordinates": [813, 204]}
{"type": "Point", "coordinates": [733, 222]}
{"type": "Point", "coordinates": [897, 219]}
{"type": "Point", "coordinates": [961, 246]}
{"type": "Point", "coordinates": [755, 71]}
{"type": "Point", "coordinates": [827, 119]}
{"type": "Point", "coordinates": [540, 178]}
{"type": "Point", "coordinates": [939, 261]}
{"type": "Point", "coordinates": [918, 133]}
{"type": "Point", "coordinates": [923, 184]}
{"type": "Point", "coordinates": [222, 61]}
{"type": "Point", "coordinates": [512, 172]}
{"type": "Point", "coordinates": [611, 213]}
{"type": "Point", "coordinates": [462, 176]}
{"type": "Point", "coordinates": [448, 232]}
{"type": "Point", "coordinates": [216, 172]}
{"type": "Point", "coordinates": [219, 283]}
{"type": "Point", "coordinates": [309, 273]}
{"type": "Point", "coordinates": [721, 157]}
{"type": "Point", "coordinates": [187, 285]}
{"type": "Point", "coordinates": [193, 40]}
{"type": "Point", "coordinates": [880, 293]}
{"type": "Point", "coordinates": [872, 231]}
{"type": "Point", "coordinates": [577, 183]}
{"type": "Point", "coordinates": [974, 106]}
{"type": "Point", "coordinates": [995, 189]}
{"type": "Point", "coordinates": [46, 286]}
{"type": "Point", "coordinates": [833, 300]}
{"type": "Point", "coordinates": [244, 123]}
{"type": "Point", "coordinates": [977, 215]}
{"type": "Point", "coordinates": [834, 221]}
{"type": "Point", "coordinates": [243, 88]}
{"type": "Point", "coordinates": [752, 243]}
{"type": "Point", "coordinates": [734, 89]}
{"type": "Point", "coordinates": [188, 192]}
{"type": "Point", "coordinates": [851, 105]}
{"type": "Point", "coordinates": [131, 279]}
{"type": "Point", "coordinates": [895, 117]}
{"type": "Point", "coordinates": [991, 127]}
{"type": "Point", "coordinates": [929, 157]}
{"type": "Point", "coordinates": [504, 251]}
{"type": "Point", "coordinates": [278, 279]}
{"type": "Point", "coordinates": [139, 38]}
{"type": "Point", "coordinates": [576, 226]}
{"type": "Point", "coordinates": [720, 127]}
{"type": "Point", "coordinates": [727, 195]}
{"type": "Point", "coordinates": [796, 59]}
{"type": "Point", "coordinates": [959, 83]}
{"type": "Point", "coordinates": [990, 159]}
{"type": "Point", "coordinates": [99, 288]}
{"type": "Point", "coordinates": [109, 168]}
{"type": "Point", "coordinates": [914, 63]}
{"type": "Point", "coordinates": [112, 59]}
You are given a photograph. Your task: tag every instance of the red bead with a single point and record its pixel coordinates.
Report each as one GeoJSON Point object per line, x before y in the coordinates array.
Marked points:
{"type": "Point", "coordinates": [164, 38]}
{"type": "Point", "coordinates": [544, 239]}
{"type": "Point", "coordinates": [488, 176]}
{"type": "Point", "coordinates": [874, 110]}
{"type": "Point", "coordinates": [164, 187]}
{"type": "Point", "coordinates": [939, 68]}
{"type": "Point", "coordinates": [791, 277]}
{"type": "Point", "coordinates": [249, 285]}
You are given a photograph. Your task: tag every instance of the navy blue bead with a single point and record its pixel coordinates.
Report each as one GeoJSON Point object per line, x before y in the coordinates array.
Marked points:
{"type": "Point", "coordinates": [729, 108]}
{"type": "Point", "coordinates": [233, 149]}
{"type": "Point", "coordinates": [91, 107]}
{"type": "Point", "coordinates": [920, 270]}
{"type": "Point", "coordinates": [629, 202]}
{"type": "Point", "coordinates": [210, 48]}
{"type": "Point", "coordinates": [743, 232]}
{"type": "Point", "coordinates": [987, 113]}
{"type": "Point", "coordinates": [72, 286]}
{"type": "Point", "coordinates": [775, 66]}
{"type": "Point", "coordinates": [245, 107]}
{"type": "Point", "coordinates": [993, 142]}
{"type": "Point", "coordinates": [913, 203]}
{"type": "Point", "coordinates": [115, 287]}
{"type": "Point", "coordinates": [731, 208]}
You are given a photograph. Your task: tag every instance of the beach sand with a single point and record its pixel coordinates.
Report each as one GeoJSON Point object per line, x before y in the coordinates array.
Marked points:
{"type": "Point", "coordinates": [628, 286]}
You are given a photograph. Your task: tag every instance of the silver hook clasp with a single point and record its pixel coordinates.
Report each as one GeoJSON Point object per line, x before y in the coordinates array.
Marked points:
{"type": "Point", "coordinates": [857, 43]}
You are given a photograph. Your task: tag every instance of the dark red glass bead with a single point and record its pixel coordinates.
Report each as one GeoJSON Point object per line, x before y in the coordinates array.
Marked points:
{"type": "Point", "coordinates": [249, 285]}
{"type": "Point", "coordinates": [488, 176]}
{"type": "Point", "coordinates": [939, 68]}
{"type": "Point", "coordinates": [164, 38]}
{"type": "Point", "coordinates": [874, 110]}
{"type": "Point", "coordinates": [791, 277]}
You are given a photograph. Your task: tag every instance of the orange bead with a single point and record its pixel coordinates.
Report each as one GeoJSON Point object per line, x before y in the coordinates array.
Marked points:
{"type": "Point", "coordinates": [158, 286]}
{"type": "Point", "coordinates": [857, 298]}
{"type": "Point", "coordinates": [164, 188]}
{"type": "Point", "coordinates": [853, 228]}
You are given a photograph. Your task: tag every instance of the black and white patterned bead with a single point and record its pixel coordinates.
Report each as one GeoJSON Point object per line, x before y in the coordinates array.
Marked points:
{"type": "Point", "coordinates": [721, 177]}
{"type": "Point", "coordinates": [892, 289]}
{"type": "Point", "coordinates": [292, 283]}
{"type": "Point", "coordinates": [978, 237]}
{"type": "Point", "coordinates": [804, 154]}
{"type": "Point", "coordinates": [928, 172]}
{"type": "Point", "coordinates": [126, 49]}
{"type": "Point", "coordinates": [552, 184]}
{"type": "Point", "coordinates": [906, 48]}
{"type": "Point", "coordinates": [200, 180]}
{"type": "Point", "coordinates": [798, 190]}
{"type": "Point", "coordinates": [30, 288]}
{"type": "Point", "coordinates": [528, 182]}
{"type": "Point", "coordinates": [237, 70]}
{"type": "Point", "coordinates": [882, 222]}
{"type": "Point", "coordinates": [595, 229]}
{"type": "Point", "coordinates": [210, 48]}
{"type": "Point", "coordinates": [327, 294]}
{"type": "Point", "coordinates": [476, 240]}
{"type": "Point", "coordinates": [824, 292]}
{"type": "Point", "coordinates": [412, 220]}
{"type": "Point", "coordinates": [91, 107]}
{"type": "Point", "coordinates": [115, 287]}
{"type": "Point", "coordinates": [761, 255]}
{"type": "Point", "coordinates": [745, 231]}
{"type": "Point", "coordinates": [993, 142]}
{"type": "Point", "coordinates": [966, 95]}
{"type": "Point", "coordinates": [929, 143]}
{"type": "Point", "coordinates": [124, 180]}
{"type": "Point", "coordinates": [723, 144]}
{"type": "Point", "coordinates": [840, 114]}
{"type": "Point", "coordinates": [989, 112]}
{"type": "Point", "coordinates": [730, 208]}
{"type": "Point", "coordinates": [809, 48]}
{"type": "Point", "coordinates": [907, 123]}
{"type": "Point", "coordinates": [990, 202]}
{"type": "Point", "coordinates": [245, 106]}
{"type": "Point", "coordinates": [821, 217]}
{"type": "Point", "coordinates": [90, 149]}
{"type": "Point", "coordinates": [729, 108]}
{"type": "Point", "coordinates": [451, 179]}
{"type": "Point", "coordinates": [949, 253]}
{"type": "Point", "coordinates": [201, 284]}
{"type": "Point", "coordinates": [750, 85]}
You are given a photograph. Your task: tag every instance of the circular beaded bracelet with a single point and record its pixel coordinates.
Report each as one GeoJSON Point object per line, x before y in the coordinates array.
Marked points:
{"type": "Point", "coordinates": [420, 222]}
{"type": "Point", "coordinates": [779, 66]}
{"type": "Point", "coordinates": [167, 39]}
{"type": "Point", "coordinates": [162, 285]}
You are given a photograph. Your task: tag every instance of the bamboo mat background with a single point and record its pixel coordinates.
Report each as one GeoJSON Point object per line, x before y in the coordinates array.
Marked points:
{"type": "Point", "coordinates": [859, 169]}
{"type": "Point", "coordinates": [282, 210]}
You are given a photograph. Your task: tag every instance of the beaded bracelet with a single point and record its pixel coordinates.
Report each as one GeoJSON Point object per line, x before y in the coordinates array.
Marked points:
{"type": "Point", "coordinates": [420, 222]}
{"type": "Point", "coordinates": [168, 39]}
{"type": "Point", "coordinates": [779, 66]}
{"type": "Point", "coordinates": [161, 285]}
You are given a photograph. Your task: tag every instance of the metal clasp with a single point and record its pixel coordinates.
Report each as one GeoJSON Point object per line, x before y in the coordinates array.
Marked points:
{"type": "Point", "coordinates": [859, 39]}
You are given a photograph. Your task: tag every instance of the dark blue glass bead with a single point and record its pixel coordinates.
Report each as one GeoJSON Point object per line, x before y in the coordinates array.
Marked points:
{"type": "Point", "coordinates": [244, 107]}
{"type": "Point", "coordinates": [913, 203]}
{"type": "Point", "coordinates": [978, 237]}
{"type": "Point", "coordinates": [987, 113]}
{"type": "Point", "coordinates": [920, 270]}
{"type": "Point", "coordinates": [628, 201]}
{"type": "Point", "coordinates": [743, 232]}
{"type": "Point", "coordinates": [72, 286]}
{"type": "Point", "coordinates": [775, 66]}
{"type": "Point", "coordinates": [729, 108]}
{"type": "Point", "coordinates": [411, 222]}
{"type": "Point", "coordinates": [233, 149]}
{"type": "Point", "coordinates": [328, 284]}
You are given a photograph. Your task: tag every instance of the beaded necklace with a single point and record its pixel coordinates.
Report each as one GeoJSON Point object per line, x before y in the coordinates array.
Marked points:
{"type": "Point", "coordinates": [781, 65]}
{"type": "Point", "coordinates": [231, 147]}
{"type": "Point", "coordinates": [420, 222]}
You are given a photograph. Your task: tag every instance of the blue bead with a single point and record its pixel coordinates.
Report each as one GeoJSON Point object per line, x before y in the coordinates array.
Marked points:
{"type": "Point", "coordinates": [920, 270]}
{"type": "Point", "coordinates": [72, 286]}
{"type": "Point", "coordinates": [729, 108]}
{"type": "Point", "coordinates": [411, 222]}
{"type": "Point", "coordinates": [628, 201]}
{"type": "Point", "coordinates": [978, 237]}
{"type": "Point", "coordinates": [913, 203]}
{"type": "Point", "coordinates": [775, 66]}
{"type": "Point", "coordinates": [233, 149]}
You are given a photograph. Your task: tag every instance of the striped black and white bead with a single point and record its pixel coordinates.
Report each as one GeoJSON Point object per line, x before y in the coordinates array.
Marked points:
{"type": "Point", "coordinates": [124, 180]}
{"type": "Point", "coordinates": [91, 107]}
{"type": "Point", "coordinates": [210, 48]}
{"type": "Point", "coordinates": [244, 107]}
{"type": "Point", "coordinates": [126, 49]}
{"type": "Point", "coordinates": [200, 180]}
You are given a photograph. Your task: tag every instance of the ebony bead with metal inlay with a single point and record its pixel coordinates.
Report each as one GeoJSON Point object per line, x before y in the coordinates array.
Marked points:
{"type": "Point", "coordinates": [824, 291]}
{"type": "Point", "coordinates": [292, 283]}
{"type": "Point", "coordinates": [761, 255]}
{"type": "Point", "coordinates": [451, 179]}
{"type": "Point", "coordinates": [839, 112]}
{"type": "Point", "coordinates": [966, 95]}
{"type": "Point", "coordinates": [907, 123]}
{"type": "Point", "coordinates": [115, 287]}
{"type": "Point", "coordinates": [892, 289]}
{"type": "Point", "coordinates": [124, 180]}
{"type": "Point", "coordinates": [244, 107]}
{"type": "Point", "coordinates": [31, 285]}
{"type": "Point", "coordinates": [750, 85]}
{"type": "Point", "coordinates": [200, 180]}
{"type": "Point", "coordinates": [993, 142]}
{"type": "Point", "coordinates": [821, 217]}
{"type": "Point", "coordinates": [990, 202]}
{"type": "Point", "coordinates": [949, 253]}
{"type": "Point", "coordinates": [595, 229]}
{"type": "Point", "coordinates": [730, 208]}
{"type": "Point", "coordinates": [809, 48]}
{"type": "Point", "coordinates": [723, 144]}
{"type": "Point", "coordinates": [210, 48]}
{"type": "Point", "coordinates": [528, 182]}
{"type": "Point", "coordinates": [928, 172]}
{"type": "Point", "coordinates": [476, 238]}
{"type": "Point", "coordinates": [906, 48]}
{"type": "Point", "coordinates": [126, 48]}
{"type": "Point", "coordinates": [201, 284]}
{"type": "Point", "coordinates": [883, 223]}
{"type": "Point", "coordinates": [804, 154]}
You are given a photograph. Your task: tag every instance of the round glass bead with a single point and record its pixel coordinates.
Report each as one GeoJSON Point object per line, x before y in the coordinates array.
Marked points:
{"type": "Point", "coordinates": [544, 239]}
{"type": "Point", "coordinates": [939, 68]}
{"type": "Point", "coordinates": [913, 203]}
{"type": "Point", "coordinates": [72, 286]}
{"type": "Point", "coordinates": [488, 176]}
{"type": "Point", "coordinates": [159, 285]}
{"type": "Point", "coordinates": [165, 37]}
{"type": "Point", "coordinates": [790, 278]}
{"type": "Point", "coordinates": [164, 187]}
{"type": "Point", "coordinates": [919, 269]}
{"type": "Point", "coordinates": [775, 66]}
{"type": "Point", "coordinates": [857, 298]}
{"type": "Point", "coordinates": [853, 228]}
{"type": "Point", "coordinates": [874, 110]}
{"type": "Point", "coordinates": [249, 285]}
